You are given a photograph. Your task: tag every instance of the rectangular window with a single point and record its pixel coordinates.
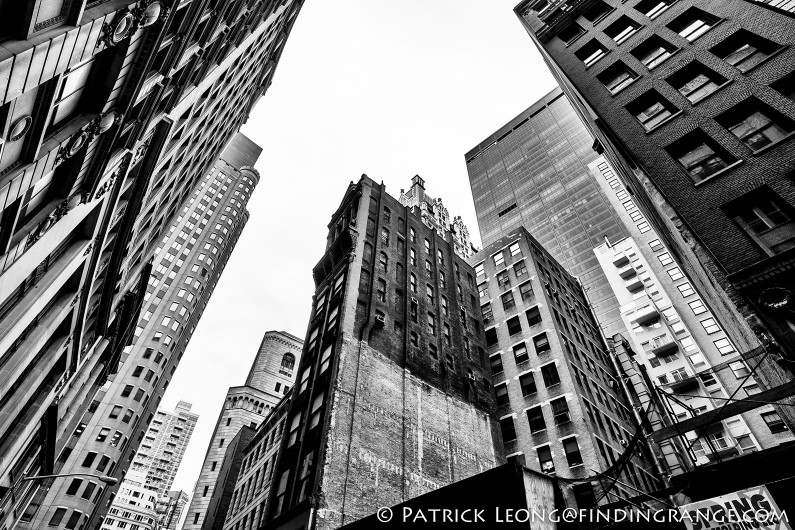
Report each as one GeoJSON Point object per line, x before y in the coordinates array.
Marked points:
{"type": "Point", "coordinates": [686, 289]}
{"type": "Point", "coordinates": [533, 316]}
{"type": "Point", "coordinates": [724, 346]}
{"type": "Point", "coordinates": [486, 311]}
{"type": "Point", "coordinates": [591, 52]}
{"type": "Point", "coordinates": [541, 343]}
{"type": "Point", "coordinates": [501, 391]}
{"type": "Point", "coordinates": [745, 50]}
{"type": "Point", "coordinates": [710, 326]}
{"type": "Point", "coordinates": [651, 109]}
{"type": "Point", "coordinates": [514, 326]}
{"type": "Point", "coordinates": [526, 291]}
{"type": "Point", "coordinates": [696, 81]}
{"type": "Point", "coordinates": [483, 290]}
{"type": "Point", "coordinates": [57, 517]}
{"type": "Point", "coordinates": [549, 372]}
{"type": "Point", "coordinates": [431, 324]}
{"type": "Point", "coordinates": [491, 336]}
{"type": "Point", "coordinates": [520, 353]}
{"type": "Point", "coordinates": [622, 29]}
{"type": "Point", "coordinates": [535, 417]}
{"type": "Point", "coordinates": [653, 8]}
{"type": "Point", "coordinates": [508, 429]}
{"type": "Point", "coordinates": [653, 51]}
{"type": "Point", "coordinates": [528, 384]}
{"type": "Point", "coordinates": [499, 260]}
{"type": "Point", "coordinates": [496, 364]}
{"type": "Point", "coordinates": [572, 450]}
{"type": "Point", "coordinates": [693, 23]}
{"type": "Point", "coordinates": [665, 259]}
{"type": "Point", "coordinates": [756, 124]}
{"type": "Point", "coordinates": [503, 280]}
{"type": "Point", "coordinates": [698, 307]}
{"type": "Point", "coordinates": [560, 410]}
{"type": "Point", "coordinates": [617, 77]}
{"type": "Point", "coordinates": [545, 459]}
{"type": "Point", "coordinates": [739, 368]}
{"type": "Point", "coordinates": [774, 422]}
{"type": "Point", "coordinates": [508, 301]}
{"type": "Point", "coordinates": [700, 156]}
{"type": "Point", "coordinates": [570, 33]}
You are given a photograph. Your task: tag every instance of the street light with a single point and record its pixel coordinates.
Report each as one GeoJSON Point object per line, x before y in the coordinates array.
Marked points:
{"type": "Point", "coordinates": [110, 481]}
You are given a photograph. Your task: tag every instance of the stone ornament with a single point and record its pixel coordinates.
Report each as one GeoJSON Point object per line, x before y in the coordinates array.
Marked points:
{"type": "Point", "coordinates": [20, 128]}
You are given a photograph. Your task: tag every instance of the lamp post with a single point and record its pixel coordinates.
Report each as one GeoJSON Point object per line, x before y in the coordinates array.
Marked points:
{"type": "Point", "coordinates": [110, 481]}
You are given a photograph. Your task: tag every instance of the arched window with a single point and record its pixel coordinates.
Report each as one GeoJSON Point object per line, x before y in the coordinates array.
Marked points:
{"type": "Point", "coordinates": [288, 363]}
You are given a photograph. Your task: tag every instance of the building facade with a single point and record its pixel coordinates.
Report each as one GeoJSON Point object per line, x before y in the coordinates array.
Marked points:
{"type": "Point", "coordinates": [692, 104]}
{"type": "Point", "coordinates": [680, 341]}
{"type": "Point", "coordinates": [189, 259]}
{"type": "Point", "coordinates": [105, 106]}
{"type": "Point", "coordinates": [169, 509]}
{"type": "Point", "coordinates": [559, 404]}
{"type": "Point", "coordinates": [392, 398]}
{"type": "Point", "coordinates": [271, 376]}
{"type": "Point", "coordinates": [533, 172]}
{"type": "Point", "coordinates": [246, 502]}
{"type": "Point", "coordinates": [136, 506]}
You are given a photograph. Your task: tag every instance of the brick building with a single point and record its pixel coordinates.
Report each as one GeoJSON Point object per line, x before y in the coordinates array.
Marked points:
{"type": "Point", "coordinates": [244, 501]}
{"type": "Point", "coordinates": [392, 398]}
{"type": "Point", "coordinates": [692, 104]}
{"type": "Point", "coordinates": [271, 376]}
{"type": "Point", "coordinates": [559, 404]}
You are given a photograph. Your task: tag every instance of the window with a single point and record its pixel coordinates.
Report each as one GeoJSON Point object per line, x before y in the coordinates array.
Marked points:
{"type": "Point", "coordinates": [387, 216]}
{"type": "Point", "coordinates": [653, 8]}
{"type": "Point", "coordinates": [501, 391]}
{"type": "Point", "coordinates": [325, 359]}
{"type": "Point", "coordinates": [515, 249]}
{"type": "Point", "coordinates": [412, 235]}
{"type": "Point", "coordinates": [740, 369]}
{"type": "Point", "coordinates": [653, 51]}
{"type": "Point", "coordinates": [622, 29]}
{"type": "Point", "coordinates": [520, 270]}
{"type": "Point", "coordinates": [89, 459]}
{"type": "Point", "coordinates": [385, 237]}
{"type": "Point", "coordinates": [429, 268]}
{"type": "Point", "coordinates": [114, 413]}
{"type": "Point", "coordinates": [560, 410]}
{"type": "Point", "coordinates": [479, 270]}
{"type": "Point", "coordinates": [597, 11]}
{"type": "Point", "coordinates": [686, 289]}
{"type": "Point", "coordinates": [380, 290]}
{"type": "Point", "coordinates": [429, 292]}
{"type": "Point", "coordinates": [446, 334]}
{"type": "Point", "coordinates": [528, 384]}
{"type": "Point", "coordinates": [756, 124]}
{"type": "Point", "coordinates": [499, 260]}
{"type": "Point", "coordinates": [766, 218]}
{"type": "Point", "coordinates": [698, 307]}
{"type": "Point", "coordinates": [508, 301]}
{"type": "Point", "coordinates": [103, 434]}
{"type": "Point", "coordinates": [483, 290]}
{"type": "Point", "coordinates": [57, 517]}
{"type": "Point", "coordinates": [545, 459]}
{"type": "Point", "coordinates": [786, 85]}
{"type": "Point", "coordinates": [127, 390]}
{"type": "Point", "coordinates": [591, 52]}
{"type": "Point", "coordinates": [526, 291]}
{"type": "Point", "coordinates": [549, 372]}
{"type": "Point", "coordinates": [617, 77]}
{"type": "Point", "coordinates": [314, 418]}
{"type": "Point", "coordinates": [432, 351]}
{"type": "Point", "coordinates": [431, 324]}
{"type": "Point", "coordinates": [445, 309]}
{"type": "Point", "coordinates": [486, 311]}
{"type": "Point", "coordinates": [665, 259]}
{"type": "Point", "coordinates": [74, 486]}
{"type": "Point", "coordinates": [514, 325]}
{"type": "Point", "coordinates": [541, 343]}
{"type": "Point", "coordinates": [491, 336]}
{"type": "Point", "coordinates": [520, 352]}
{"type": "Point", "coordinates": [774, 422]}
{"type": "Point", "coordinates": [572, 450]}
{"type": "Point", "coordinates": [696, 81]}
{"type": "Point", "coordinates": [535, 417]}
{"type": "Point", "coordinates": [294, 431]}
{"type": "Point", "coordinates": [710, 326]}
{"type": "Point", "coordinates": [508, 429]}
{"type": "Point", "coordinates": [383, 261]}
{"type": "Point", "coordinates": [745, 50]}
{"type": "Point", "coordinates": [571, 33]}
{"type": "Point", "coordinates": [724, 346]}
{"type": "Point", "coordinates": [503, 280]}
{"type": "Point", "coordinates": [533, 316]}
{"type": "Point", "coordinates": [413, 257]}
{"type": "Point", "coordinates": [413, 283]}
{"type": "Point", "coordinates": [288, 363]}
{"type": "Point", "coordinates": [496, 364]}
{"type": "Point", "coordinates": [693, 23]}
{"type": "Point", "coordinates": [651, 109]}
{"type": "Point", "coordinates": [699, 155]}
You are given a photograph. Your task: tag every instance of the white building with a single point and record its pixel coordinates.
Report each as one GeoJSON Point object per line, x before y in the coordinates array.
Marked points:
{"type": "Point", "coordinates": [134, 507]}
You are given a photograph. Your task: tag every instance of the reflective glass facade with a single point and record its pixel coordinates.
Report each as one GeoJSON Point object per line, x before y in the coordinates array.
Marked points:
{"type": "Point", "coordinates": [533, 173]}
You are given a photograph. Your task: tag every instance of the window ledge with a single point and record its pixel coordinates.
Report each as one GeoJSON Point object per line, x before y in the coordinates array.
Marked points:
{"type": "Point", "coordinates": [666, 120]}
{"type": "Point", "coordinates": [575, 39]}
{"type": "Point", "coordinates": [719, 173]}
{"type": "Point", "coordinates": [763, 61]}
{"type": "Point", "coordinates": [718, 23]}
{"type": "Point", "coordinates": [599, 60]}
{"type": "Point", "coordinates": [720, 88]}
{"type": "Point", "coordinates": [614, 94]}
{"type": "Point", "coordinates": [601, 18]}
{"type": "Point", "coordinates": [774, 144]}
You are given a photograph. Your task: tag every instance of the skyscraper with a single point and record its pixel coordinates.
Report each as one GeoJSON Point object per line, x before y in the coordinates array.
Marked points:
{"type": "Point", "coordinates": [163, 447]}
{"type": "Point", "coordinates": [392, 397]}
{"type": "Point", "coordinates": [533, 172]}
{"type": "Point", "coordinates": [111, 116]}
{"type": "Point", "coordinates": [271, 376]}
{"type": "Point", "coordinates": [136, 505]}
{"type": "Point", "coordinates": [560, 406]}
{"type": "Point", "coordinates": [692, 104]}
{"type": "Point", "coordinates": [170, 508]}
{"type": "Point", "coordinates": [189, 259]}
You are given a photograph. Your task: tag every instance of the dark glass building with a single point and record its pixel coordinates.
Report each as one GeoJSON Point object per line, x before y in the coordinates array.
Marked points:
{"type": "Point", "coordinates": [533, 172]}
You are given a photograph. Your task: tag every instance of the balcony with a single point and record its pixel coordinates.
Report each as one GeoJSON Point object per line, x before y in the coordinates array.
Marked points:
{"type": "Point", "coordinates": [663, 345]}
{"type": "Point", "coordinates": [646, 314]}
{"type": "Point", "coordinates": [621, 259]}
{"type": "Point", "coordinates": [634, 284]}
{"type": "Point", "coordinates": [683, 382]}
{"type": "Point", "coordinates": [627, 271]}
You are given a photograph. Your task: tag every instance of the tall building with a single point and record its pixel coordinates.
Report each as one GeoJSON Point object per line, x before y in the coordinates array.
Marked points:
{"type": "Point", "coordinates": [163, 447]}
{"type": "Point", "coordinates": [392, 398]}
{"type": "Point", "coordinates": [533, 172]}
{"type": "Point", "coordinates": [692, 104]}
{"type": "Point", "coordinates": [136, 506]}
{"type": "Point", "coordinates": [169, 509]}
{"type": "Point", "coordinates": [559, 403]}
{"type": "Point", "coordinates": [271, 376]}
{"type": "Point", "coordinates": [111, 116]}
{"type": "Point", "coordinates": [188, 261]}
{"type": "Point", "coordinates": [689, 358]}
{"type": "Point", "coordinates": [244, 501]}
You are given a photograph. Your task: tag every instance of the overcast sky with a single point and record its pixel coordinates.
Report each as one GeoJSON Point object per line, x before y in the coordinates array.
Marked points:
{"type": "Point", "coordinates": [386, 88]}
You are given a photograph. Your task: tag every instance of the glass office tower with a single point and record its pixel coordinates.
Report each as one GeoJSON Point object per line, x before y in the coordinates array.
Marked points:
{"type": "Point", "coordinates": [533, 172]}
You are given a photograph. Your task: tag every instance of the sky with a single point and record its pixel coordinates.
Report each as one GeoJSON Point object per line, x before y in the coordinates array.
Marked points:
{"type": "Point", "coordinates": [389, 89]}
